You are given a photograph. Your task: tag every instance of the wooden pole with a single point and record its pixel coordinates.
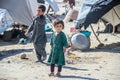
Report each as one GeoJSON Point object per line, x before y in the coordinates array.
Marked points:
{"type": "Point", "coordinates": [95, 34]}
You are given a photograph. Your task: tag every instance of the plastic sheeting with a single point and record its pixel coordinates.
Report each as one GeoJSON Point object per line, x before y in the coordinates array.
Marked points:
{"type": "Point", "coordinates": [53, 4]}
{"type": "Point", "coordinates": [21, 11]}
{"type": "Point", "coordinates": [92, 10]}
{"type": "Point", "coordinates": [83, 12]}
{"type": "Point", "coordinates": [5, 20]}
{"type": "Point", "coordinates": [111, 16]}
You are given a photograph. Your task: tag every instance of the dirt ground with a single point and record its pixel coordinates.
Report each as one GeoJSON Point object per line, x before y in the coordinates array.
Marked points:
{"type": "Point", "coordinates": [97, 63]}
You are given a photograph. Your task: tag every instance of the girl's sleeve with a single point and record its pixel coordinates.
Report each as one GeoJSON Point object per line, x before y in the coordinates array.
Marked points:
{"type": "Point", "coordinates": [51, 40]}
{"type": "Point", "coordinates": [65, 41]}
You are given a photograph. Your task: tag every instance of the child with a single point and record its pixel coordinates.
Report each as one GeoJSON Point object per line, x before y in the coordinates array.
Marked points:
{"type": "Point", "coordinates": [71, 3]}
{"type": "Point", "coordinates": [58, 42]}
{"type": "Point", "coordinates": [39, 37]}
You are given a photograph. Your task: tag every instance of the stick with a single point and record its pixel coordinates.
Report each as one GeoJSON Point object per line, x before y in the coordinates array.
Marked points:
{"type": "Point", "coordinates": [95, 34]}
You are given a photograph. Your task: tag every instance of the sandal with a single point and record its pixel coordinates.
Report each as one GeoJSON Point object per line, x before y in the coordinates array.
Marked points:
{"type": "Point", "coordinates": [51, 74]}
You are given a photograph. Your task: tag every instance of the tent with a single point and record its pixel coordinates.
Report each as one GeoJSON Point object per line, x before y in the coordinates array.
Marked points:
{"type": "Point", "coordinates": [5, 20]}
{"type": "Point", "coordinates": [21, 11]}
{"type": "Point", "coordinates": [92, 10]}
{"type": "Point", "coordinates": [41, 1]}
{"type": "Point", "coordinates": [53, 4]}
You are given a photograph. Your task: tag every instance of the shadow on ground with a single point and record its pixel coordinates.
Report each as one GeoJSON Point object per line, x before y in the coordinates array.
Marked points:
{"type": "Point", "coordinates": [112, 48]}
{"type": "Point", "coordinates": [77, 77]}
{"type": "Point", "coordinates": [5, 43]}
{"type": "Point", "coordinates": [68, 67]}
{"type": "Point", "coordinates": [73, 68]}
{"type": "Point", "coordinates": [8, 53]}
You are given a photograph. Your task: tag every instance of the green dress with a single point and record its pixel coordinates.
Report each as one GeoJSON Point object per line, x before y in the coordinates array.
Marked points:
{"type": "Point", "coordinates": [58, 42]}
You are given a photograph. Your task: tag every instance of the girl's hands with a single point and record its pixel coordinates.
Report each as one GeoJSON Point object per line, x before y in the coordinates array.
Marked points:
{"type": "Point", "coordinates": [26, 34]}
{"type": "Point", "coordinates": [67, 49]}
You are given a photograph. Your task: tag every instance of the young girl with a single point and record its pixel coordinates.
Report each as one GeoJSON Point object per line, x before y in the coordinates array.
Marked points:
{"type": "Point", "coordinates": [58, 42]}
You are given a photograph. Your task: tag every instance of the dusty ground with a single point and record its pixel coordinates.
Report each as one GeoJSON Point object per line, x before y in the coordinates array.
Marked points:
{"type": "Point", "coordinates": [94, 64]}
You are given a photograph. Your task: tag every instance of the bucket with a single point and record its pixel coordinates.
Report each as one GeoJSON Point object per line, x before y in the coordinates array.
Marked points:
{"type": "Point", "coordinates": [86, 33]}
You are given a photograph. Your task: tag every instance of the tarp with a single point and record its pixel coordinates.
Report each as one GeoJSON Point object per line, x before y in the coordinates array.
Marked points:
{"type": "Point", "coordinates": [21, 11]}
{"type": "Point", "coordinates": [92, 10]}
{"type": "Point", "coordinates": [41, 1]}
{"type": "Point", "coordinates": [53, 4]}
{"type": "Point", "coordinates": [5, 20]}
{"type": "Point", "coordinates": [113, 16]}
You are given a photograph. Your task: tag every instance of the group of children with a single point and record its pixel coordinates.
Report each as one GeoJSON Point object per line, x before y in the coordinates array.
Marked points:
{"type": "Point", "coordinates": [58, 41]}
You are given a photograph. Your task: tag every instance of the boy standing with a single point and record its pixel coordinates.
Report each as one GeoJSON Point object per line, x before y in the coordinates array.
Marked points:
{"type": "Point", "coordinates": [39, 37]}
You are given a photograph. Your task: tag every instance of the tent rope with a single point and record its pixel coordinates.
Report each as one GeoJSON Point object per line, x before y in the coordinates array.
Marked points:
{"type": "Point", "coordinates": [115, 35]}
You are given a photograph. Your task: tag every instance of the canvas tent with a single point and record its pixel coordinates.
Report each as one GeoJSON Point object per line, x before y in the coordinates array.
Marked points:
{"type": "Point", "coordinates": [53, 4]}
{"type": "Point", "coordinates": [5, 20]}
{"type": "Point", "coordinates": [113, 16]}
{"type": "Point", "coordinates": [21, 11]}
{"type": "Point", "coordinates": [92, 10]}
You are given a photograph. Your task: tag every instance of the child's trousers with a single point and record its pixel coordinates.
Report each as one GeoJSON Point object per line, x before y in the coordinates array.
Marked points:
{"type": "Point", "coordinates": [40, 50]}
{"type": "Point", "coordinates": [53, 66]}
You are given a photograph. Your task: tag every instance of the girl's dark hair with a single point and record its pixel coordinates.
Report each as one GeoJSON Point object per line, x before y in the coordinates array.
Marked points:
{"type": "Point", "coordinates": [60, 22]}
{"type": "Point", "coordinates": [54, 21]}
{"type": "Point", "coordinates": [42, 7]}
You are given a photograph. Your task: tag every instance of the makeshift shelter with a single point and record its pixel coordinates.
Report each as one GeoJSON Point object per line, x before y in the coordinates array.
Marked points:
{"type": "Point", "coordinates": [53, 4]}
{"type": "Point", "coordinates": [71, 15]}
{"type": "Point", "coordinates": [5, 20]}
{"type": "Point", "coordinates": [41, 1]}
{"type": "Point", "coordinates": [22, 11]}
{"type": "Point", "coordinates": [92, 10]}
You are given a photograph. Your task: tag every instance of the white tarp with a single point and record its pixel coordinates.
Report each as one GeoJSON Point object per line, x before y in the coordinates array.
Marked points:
{"type": "Point", "coordinates": [111, 16]}
{"type": "Point", "coordinates": [84, 10]}
{"type": "Point", "coordinates": [5, 20]}
{"type": "Point", "coordinates": [53, 4]}
{"type": "Point", "coordinates": [21, 11]}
